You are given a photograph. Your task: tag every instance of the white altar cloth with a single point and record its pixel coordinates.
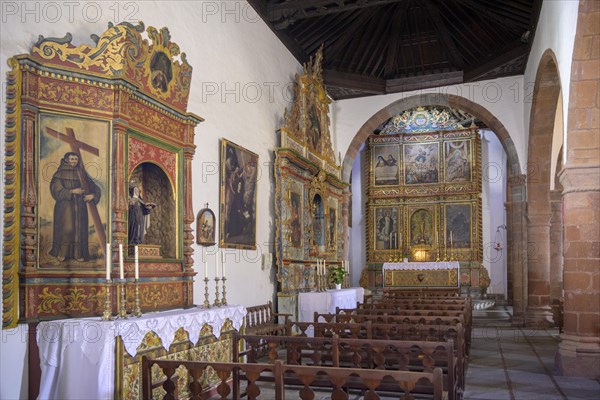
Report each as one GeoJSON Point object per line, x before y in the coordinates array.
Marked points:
{"type": "Point", "coordinates": [326, 302]}
{"type": "Point", "coordinates": [77, 356]}
{"type": "Point", "coordinates": [422, 266]}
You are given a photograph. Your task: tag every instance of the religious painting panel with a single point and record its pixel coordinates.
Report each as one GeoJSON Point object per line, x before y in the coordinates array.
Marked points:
{"type": "Point", "coordinates": [239, 169]}
{"type": "Point", "coordinates": [385, 164]}
{"type": "Point", "coordinates": [74, 191]}
{"type": "Point", "coordinates": [457, 161]}
{"type": "Point", "coordinates": [385, 230]}
{"type": "Point", "coordinates": [421, 163]}
{"type": "Point", "coordinates": [458, 226]}
{"type": "Point", "coordinates": [206, 223]}
{"type": "Point", "coordinates": [332, 224]}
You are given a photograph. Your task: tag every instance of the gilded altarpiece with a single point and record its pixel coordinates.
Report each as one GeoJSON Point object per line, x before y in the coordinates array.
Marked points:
{"type": "Point", "coordinates": [310, 196]}
{"type": "Point", "coordinates": [424, 198]}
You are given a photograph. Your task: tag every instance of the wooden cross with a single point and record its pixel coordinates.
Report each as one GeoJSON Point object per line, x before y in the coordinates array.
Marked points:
{"type": "Point", "coordinates": [76, 147]}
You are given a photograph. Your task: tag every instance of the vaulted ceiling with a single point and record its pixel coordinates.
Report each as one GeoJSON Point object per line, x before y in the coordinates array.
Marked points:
{"type": "Point", "coordinates": [373, 47]}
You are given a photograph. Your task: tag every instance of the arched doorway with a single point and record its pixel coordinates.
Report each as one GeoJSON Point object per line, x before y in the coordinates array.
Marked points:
{"type": "Point", "coordinates": [516, 197]}
{"type": "Point", "coordinates": [545, 125]}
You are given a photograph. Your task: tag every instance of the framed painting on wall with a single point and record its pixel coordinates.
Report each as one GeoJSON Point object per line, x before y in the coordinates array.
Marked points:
{"type": "Point", "coordinates": [296, 210]}
{"type": "Point", "coordinates": [239, 169]}
{"type": "Point", "coordinates": [205, 226]}
{"type": "Point", "coordinates": [384, 164]}
{"type": "Point", "coordinates": [73, 191]}
{"type": "Point", "coordinates": [457, 161]}
{"type": "Point", "coordinates": [421, 163]}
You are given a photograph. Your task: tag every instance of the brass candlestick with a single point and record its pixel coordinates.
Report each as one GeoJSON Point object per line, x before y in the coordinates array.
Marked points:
{"type": "Point", "coordinates": [107, 314]}
{"type": "Point", "coordinates": [206, 302]}
{"type": "Point", "coordinates": [123, 306]}
{"type": "Point", "coordinates": [137, 311]}
{"type": "Point", "coordinates": [224, 300]}
{"type": "Point", "coordinates": [217, 303]}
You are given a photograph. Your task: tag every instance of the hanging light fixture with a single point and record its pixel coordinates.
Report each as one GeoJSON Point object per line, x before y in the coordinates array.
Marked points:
{"type": "Point", "coordinates": [498, 241]}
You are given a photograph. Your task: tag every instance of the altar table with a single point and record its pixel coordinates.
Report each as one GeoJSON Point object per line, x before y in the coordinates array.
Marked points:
{"type": "Point", "coordinates": [421, 274]}
{"type": "Point", "coordinates": [326, 302]}
{"type": "Point", "coordinates": [78, 356]}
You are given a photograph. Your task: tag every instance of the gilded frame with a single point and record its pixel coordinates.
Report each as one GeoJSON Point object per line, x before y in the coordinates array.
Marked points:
{"type": "Point", "coordinates": [237, 215]}
{"type": "Point", "coordinates": [385, 164]}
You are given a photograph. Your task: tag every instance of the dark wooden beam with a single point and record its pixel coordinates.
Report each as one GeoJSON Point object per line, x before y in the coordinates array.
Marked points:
{"type": "Point", "coordinates": [506, 22]}
{"type": "Point", "coordinates": [395, 39]}
{"type": "Point", "coordinates": [287, 41]}
{"type": "Point", "coordinates": [284, 14]}
{"type": "Point", "coordinates": [354, 81]}
{"type": "Point", "coordinates": [506, 55]}
{"type": "Point", "coordinates": [444, 34]}
{"type": "Point", "coordinates": [424, 81]}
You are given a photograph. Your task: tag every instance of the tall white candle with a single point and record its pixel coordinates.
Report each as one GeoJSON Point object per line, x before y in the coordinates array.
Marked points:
{"type": "Point", "coordinates": [450, 238]}
{"type": "Point", "coordinates": [205, 264]}
{"type": "Point", "coordinates": [121, 271]}
{"type": "Point", "coordinates": [108, 261]}
{"type": "Point", "coordinates": [136, 262]}
{"type": "Point", "coordinates": [217, 263]}
{"type": "Point", "coordinates": [223, 268]}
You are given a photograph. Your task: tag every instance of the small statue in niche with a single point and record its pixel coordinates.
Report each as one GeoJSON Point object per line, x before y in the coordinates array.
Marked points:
{"type": "Point", "coordinates": [139, 215]}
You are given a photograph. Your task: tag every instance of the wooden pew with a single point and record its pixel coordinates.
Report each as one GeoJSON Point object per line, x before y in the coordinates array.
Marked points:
{"type": "Point", "coordinates": [358, 353]}
{"type": "Point", "coordinates": [374, 331]}
{"type": "Point", "coordinates": [367, 381]}
{"type": "Point", "coordinates": [261, 320]}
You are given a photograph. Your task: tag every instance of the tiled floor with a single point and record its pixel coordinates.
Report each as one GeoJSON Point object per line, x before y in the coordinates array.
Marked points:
{"type": "Point", "coordinates": [510, 363]}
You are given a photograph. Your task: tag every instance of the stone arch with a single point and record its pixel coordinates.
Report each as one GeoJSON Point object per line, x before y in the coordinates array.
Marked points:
{"type": "Point", "coordinates": [546, 95]}
{"type": "Point", "coordinates": [516, 201]}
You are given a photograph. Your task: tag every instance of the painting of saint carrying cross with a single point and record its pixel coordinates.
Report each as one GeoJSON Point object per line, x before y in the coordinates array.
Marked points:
{"type": "Point", "coordinates": [73, 189]}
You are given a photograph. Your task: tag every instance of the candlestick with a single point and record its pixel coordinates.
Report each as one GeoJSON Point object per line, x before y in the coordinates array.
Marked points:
{"type": "Point", "coordinates": [217, 303]}
{"type": "Point", "coordinates": [121, 270]}
{"type": "Point", "coordinates": [136, 262]}
{"type": "Point", "coordinates": [206, 302]}
{"type": "Point", "coordinates": [107, 314]}
{"type": "Point", "coordinates": [137, 311]}
{"type": "Point", "coordinates": [224, 300]}
{"type": "Point", "coordinates": [123, 306]}
{"type": "Point", "coordinates": [108, 261]}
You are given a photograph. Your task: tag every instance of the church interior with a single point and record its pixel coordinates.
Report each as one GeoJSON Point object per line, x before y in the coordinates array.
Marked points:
{"type": "Point", "coordinates": [314, 199]}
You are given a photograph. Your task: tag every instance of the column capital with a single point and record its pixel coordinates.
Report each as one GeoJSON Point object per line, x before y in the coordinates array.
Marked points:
{"type": "Point", "coordinates": [580, 178]}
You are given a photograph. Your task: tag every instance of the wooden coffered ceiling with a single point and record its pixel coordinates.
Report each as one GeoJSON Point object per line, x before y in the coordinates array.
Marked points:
{"type": "Point", "coordinates": [373, 47]}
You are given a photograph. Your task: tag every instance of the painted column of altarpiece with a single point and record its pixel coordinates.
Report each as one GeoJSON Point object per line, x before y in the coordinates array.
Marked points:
{"type": "Point", "coordinates": [424, 203]}
{"type": "Point", "coordinates": [104, 118]}
{"type": "Point", "coordinates": [310, 197]}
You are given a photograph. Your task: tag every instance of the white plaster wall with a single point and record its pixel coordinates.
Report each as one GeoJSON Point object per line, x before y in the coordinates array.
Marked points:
{"type": "Point", "coordinates": [501, 97]}
{"type": "Point", "coordinates": [240, 86]}
{"type": "Point", "coordinates": [556, 30]}
{"type": "Point", "coordinates": [493, 160]}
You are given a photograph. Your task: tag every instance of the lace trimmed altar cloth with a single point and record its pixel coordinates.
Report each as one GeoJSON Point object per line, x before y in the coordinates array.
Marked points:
{"type": "Point", "coordinates": [77, 356]}
{"type": "Point", "coordinates": [421, 274]}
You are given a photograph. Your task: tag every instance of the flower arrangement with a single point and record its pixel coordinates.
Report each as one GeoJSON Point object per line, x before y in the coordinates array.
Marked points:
{"type": "Point", "coordinates": [337, 274]}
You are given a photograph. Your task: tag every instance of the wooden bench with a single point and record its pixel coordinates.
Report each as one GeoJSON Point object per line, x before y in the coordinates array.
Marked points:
{"type": "Point", "coordinates": [415, 356]}
{"type": "Point", "coordinates": [261, 320]}
{"type": "Point", "coordinates": [340, 380]}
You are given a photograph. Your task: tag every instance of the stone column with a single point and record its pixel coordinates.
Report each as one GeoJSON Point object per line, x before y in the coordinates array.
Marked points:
{"type": "Point", "coordinates": [579, 350]}
{"type": "Point", "coordinates": [538, 270]}
{"type": "Point", "coordinates": [556, 245]}
{"type": "Point", "coordinates": [516, 244]}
